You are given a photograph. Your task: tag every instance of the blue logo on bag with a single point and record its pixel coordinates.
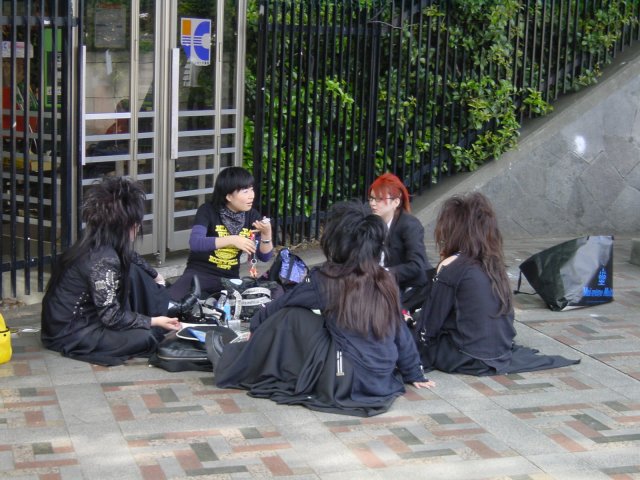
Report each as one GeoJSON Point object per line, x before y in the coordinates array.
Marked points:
{"type": "Point", "coordinates": [602, 277]}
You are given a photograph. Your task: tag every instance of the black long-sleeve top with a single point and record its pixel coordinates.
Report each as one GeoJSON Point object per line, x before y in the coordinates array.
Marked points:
{"type": "Point", "coordinates": [463, 304]}
{"type": "Point", "coordinates": [86, 298]}
{"type": "Point", "coordinates": [406, 255]}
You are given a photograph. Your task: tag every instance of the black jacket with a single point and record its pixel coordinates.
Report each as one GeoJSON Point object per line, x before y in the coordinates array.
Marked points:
{"type": "Point", "coordinates": [406, 254]}
{"type": "Point", "coordinates": [87, 300]}
{"type": "Point", "coordinates": [463, 304]}
{"type": "Point", "coordinates": [375, 360]}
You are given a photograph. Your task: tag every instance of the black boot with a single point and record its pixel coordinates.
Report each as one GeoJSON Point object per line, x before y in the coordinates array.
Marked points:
{"type": "Point", "coordinates": [182, 309]}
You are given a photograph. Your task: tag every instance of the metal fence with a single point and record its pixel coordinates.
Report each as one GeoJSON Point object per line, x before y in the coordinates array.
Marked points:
{"type": "Point", "coordinates": [346, 90]}
{"type": "Point", "coordinates": [36, 163]}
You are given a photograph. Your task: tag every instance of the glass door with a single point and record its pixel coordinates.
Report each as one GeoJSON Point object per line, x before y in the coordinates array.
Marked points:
{"type": "Point", "coordinates": [161, 103]}
{"type": "Point", "coordinates": [120, 89]}
{"type": "Point", "coordinates": [204, 128]}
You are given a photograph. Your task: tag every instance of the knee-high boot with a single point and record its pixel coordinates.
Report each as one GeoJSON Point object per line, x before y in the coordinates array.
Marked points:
{"type": "Point", "coordinates": [182, 308]}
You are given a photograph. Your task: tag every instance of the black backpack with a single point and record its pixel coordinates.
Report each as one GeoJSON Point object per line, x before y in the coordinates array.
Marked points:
{"type": "Point", "coordinates": [288, 269]}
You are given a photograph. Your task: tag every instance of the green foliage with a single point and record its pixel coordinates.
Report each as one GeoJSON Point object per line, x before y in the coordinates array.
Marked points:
{"type": "Point", "coordinates": [438, 111]}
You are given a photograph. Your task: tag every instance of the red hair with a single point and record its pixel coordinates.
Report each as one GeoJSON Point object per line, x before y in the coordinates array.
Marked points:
{"type": "Point", "coordinates": [388, 185]}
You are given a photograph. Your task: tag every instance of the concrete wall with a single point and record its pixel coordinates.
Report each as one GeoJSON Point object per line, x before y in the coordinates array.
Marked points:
{"type": "Point", "coordinates": [574, 173]}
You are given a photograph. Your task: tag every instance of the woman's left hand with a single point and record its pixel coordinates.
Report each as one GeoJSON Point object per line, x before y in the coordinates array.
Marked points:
{"type": "Point", "coordinates": [168, 323]}
{"type": "Point", "coordinates": [263, 227]}
{"type": "Point", "coordinates": [160, 280]}
{"type": "Point", "coordinates": [425, 384]}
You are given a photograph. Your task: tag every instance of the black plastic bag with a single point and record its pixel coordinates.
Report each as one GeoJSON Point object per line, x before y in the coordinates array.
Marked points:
{"type": "Point", "coordinates": [576, 273]}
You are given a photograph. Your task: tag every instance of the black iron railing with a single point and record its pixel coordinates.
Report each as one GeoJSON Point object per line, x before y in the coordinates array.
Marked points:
{"type": "Point", "coordinates": [36, 149]}
{"type": "Point", "coordinates": [346, 90]}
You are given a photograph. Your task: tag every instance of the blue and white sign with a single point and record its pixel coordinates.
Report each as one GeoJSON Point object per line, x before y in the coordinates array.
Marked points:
{"type": "Point", "coordinates": [195, 38]}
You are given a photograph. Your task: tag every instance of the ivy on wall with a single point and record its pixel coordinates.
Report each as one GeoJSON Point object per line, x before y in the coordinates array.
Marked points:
{"type": "Point", "coordinates": [440, 106]}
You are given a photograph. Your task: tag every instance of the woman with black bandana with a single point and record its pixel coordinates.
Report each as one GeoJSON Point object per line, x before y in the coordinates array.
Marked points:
{"type": "Point", "coordinates": [222, 231]}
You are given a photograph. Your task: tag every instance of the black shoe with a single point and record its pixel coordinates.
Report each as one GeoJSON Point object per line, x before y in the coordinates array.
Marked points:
{"type": "Point", "coordinates": [183, 308]}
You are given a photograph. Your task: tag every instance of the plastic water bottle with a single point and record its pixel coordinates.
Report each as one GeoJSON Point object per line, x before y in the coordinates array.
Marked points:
{"type": "Point", "coordinates": [234, 324]}
{"type": "Point", "coordinates": [222, 300]}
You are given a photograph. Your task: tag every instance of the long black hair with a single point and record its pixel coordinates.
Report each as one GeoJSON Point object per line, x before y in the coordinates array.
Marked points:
{"type": "Point", "coordinates": [362, 295]}
{"type": "Point", "coordinates": [111, 210]}
{"type": "Point", "coordinates": [468, 224]}
{"type": "Point", "coordinates": [228, 181]}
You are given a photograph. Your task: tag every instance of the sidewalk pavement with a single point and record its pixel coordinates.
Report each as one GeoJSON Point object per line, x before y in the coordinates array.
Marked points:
{"type": "Point", "coordinates": [64, 419]}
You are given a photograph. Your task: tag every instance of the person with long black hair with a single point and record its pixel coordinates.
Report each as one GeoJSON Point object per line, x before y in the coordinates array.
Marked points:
{"type": "Point", "coordinates": [467, 323]}
{"type": "Point", "coordinates": [224, 229]}
{"type": "Point", "coordinates": [337, 342]}
{"type": "Point", "coordinates": [104, 304]}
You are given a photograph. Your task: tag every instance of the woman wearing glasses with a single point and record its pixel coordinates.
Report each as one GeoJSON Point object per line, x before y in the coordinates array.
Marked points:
{"type": "Point", "coordinates": [406, 255]}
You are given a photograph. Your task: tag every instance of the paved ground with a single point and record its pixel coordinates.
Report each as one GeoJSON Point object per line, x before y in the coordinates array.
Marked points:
{"type": "Point", "coordinates": [63, 419]}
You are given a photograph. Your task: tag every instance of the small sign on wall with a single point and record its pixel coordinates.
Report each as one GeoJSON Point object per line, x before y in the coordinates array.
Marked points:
{"type": "Point", "coordinates": [195, 38]}
{"type": "Point", "coordinates": [111, 27]}
{"type": "Point", "coordinates": [7, 49]}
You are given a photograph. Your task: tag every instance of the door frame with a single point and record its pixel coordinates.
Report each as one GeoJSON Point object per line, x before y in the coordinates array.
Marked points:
{"type": "Point", "coordinates": [163, 238]}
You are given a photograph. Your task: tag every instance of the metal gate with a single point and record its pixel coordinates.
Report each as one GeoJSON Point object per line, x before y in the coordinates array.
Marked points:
{"type": "Point", "coordinates": [37, 139]}
{"type": "Point", "coordinates": [348, 89]}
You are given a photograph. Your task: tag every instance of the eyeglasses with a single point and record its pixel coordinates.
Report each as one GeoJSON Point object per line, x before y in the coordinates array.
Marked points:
{"type": "Point", "coordinates": [380, 199]}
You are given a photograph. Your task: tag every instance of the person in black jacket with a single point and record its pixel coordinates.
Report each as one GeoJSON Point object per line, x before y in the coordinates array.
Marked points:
{"type": "Point", "coordinates": [467, 323]}
{"type": "Point", "coordinates": [406, 255]}
{"type": "Point", "coordinates": [336, 342]}
{"type": "Point", "coordinates": [224, 229]}
{"type": "Point", "coordinates": [103, 303]}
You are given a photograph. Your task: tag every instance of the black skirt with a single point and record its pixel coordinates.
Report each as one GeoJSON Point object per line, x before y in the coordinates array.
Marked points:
{"type": "Point", "coordinates": [292, 359]}
{"type": "Point", "coordinates": [442, 354]}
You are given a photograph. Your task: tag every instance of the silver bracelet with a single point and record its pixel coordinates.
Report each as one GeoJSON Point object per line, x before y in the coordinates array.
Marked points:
{"type": "Point", "coordinates": [265, 241]}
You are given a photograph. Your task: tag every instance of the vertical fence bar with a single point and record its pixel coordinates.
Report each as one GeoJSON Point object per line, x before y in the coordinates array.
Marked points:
{"type": "Point", "coordinates": [307, 148]}
{"type": "Point", "coordinates": [64, 131]}
{"type": "Point", "coordinates": [397, 24]}
{"type": "Point", "coordinates": [434, 102]}
{"type": "Point", "coordinates": [416, 165]}
{"type": "Point", "coordinates": [367, 35]}
{"type": "Point", "coordinates": [316, 153]}
{"type": "Point", "coordinates": [558, 44]}
{"type": "Point", "coordinates": [549, 20]}
{"type": "Point", "coordinates": [286, 144]}
{"type": "Point", "coordinates": [14, 170]}
{"type": "Point", "coordinates": [26, 152]}
{"type": "Point", "coordinates": [443, 95]}
{"type": "Point", "coordinates": [338, 26]}
{"type": "Point", "coordinates": [333, 105]}
{"type": "Point", "coordinates": [297, 193]}
{"type": "Point", "coordinates": [347, 134]}
{"type": "Point", "coordinates": [542, 66]}
{"type": "Point", "coordinates": [567, 70]}
{"type": "Point", "coordinates": [374, 57]}
{"type": "Point", "coordinates": [260, 112]}
{"type": "Point", "coordinates": [40, 152]}
{"type": "Point", "coordinates": [407, 141]}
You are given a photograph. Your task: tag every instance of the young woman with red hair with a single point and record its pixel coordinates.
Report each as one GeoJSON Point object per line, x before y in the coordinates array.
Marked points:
{"type": "Point", "coordinates": [406, 255]}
